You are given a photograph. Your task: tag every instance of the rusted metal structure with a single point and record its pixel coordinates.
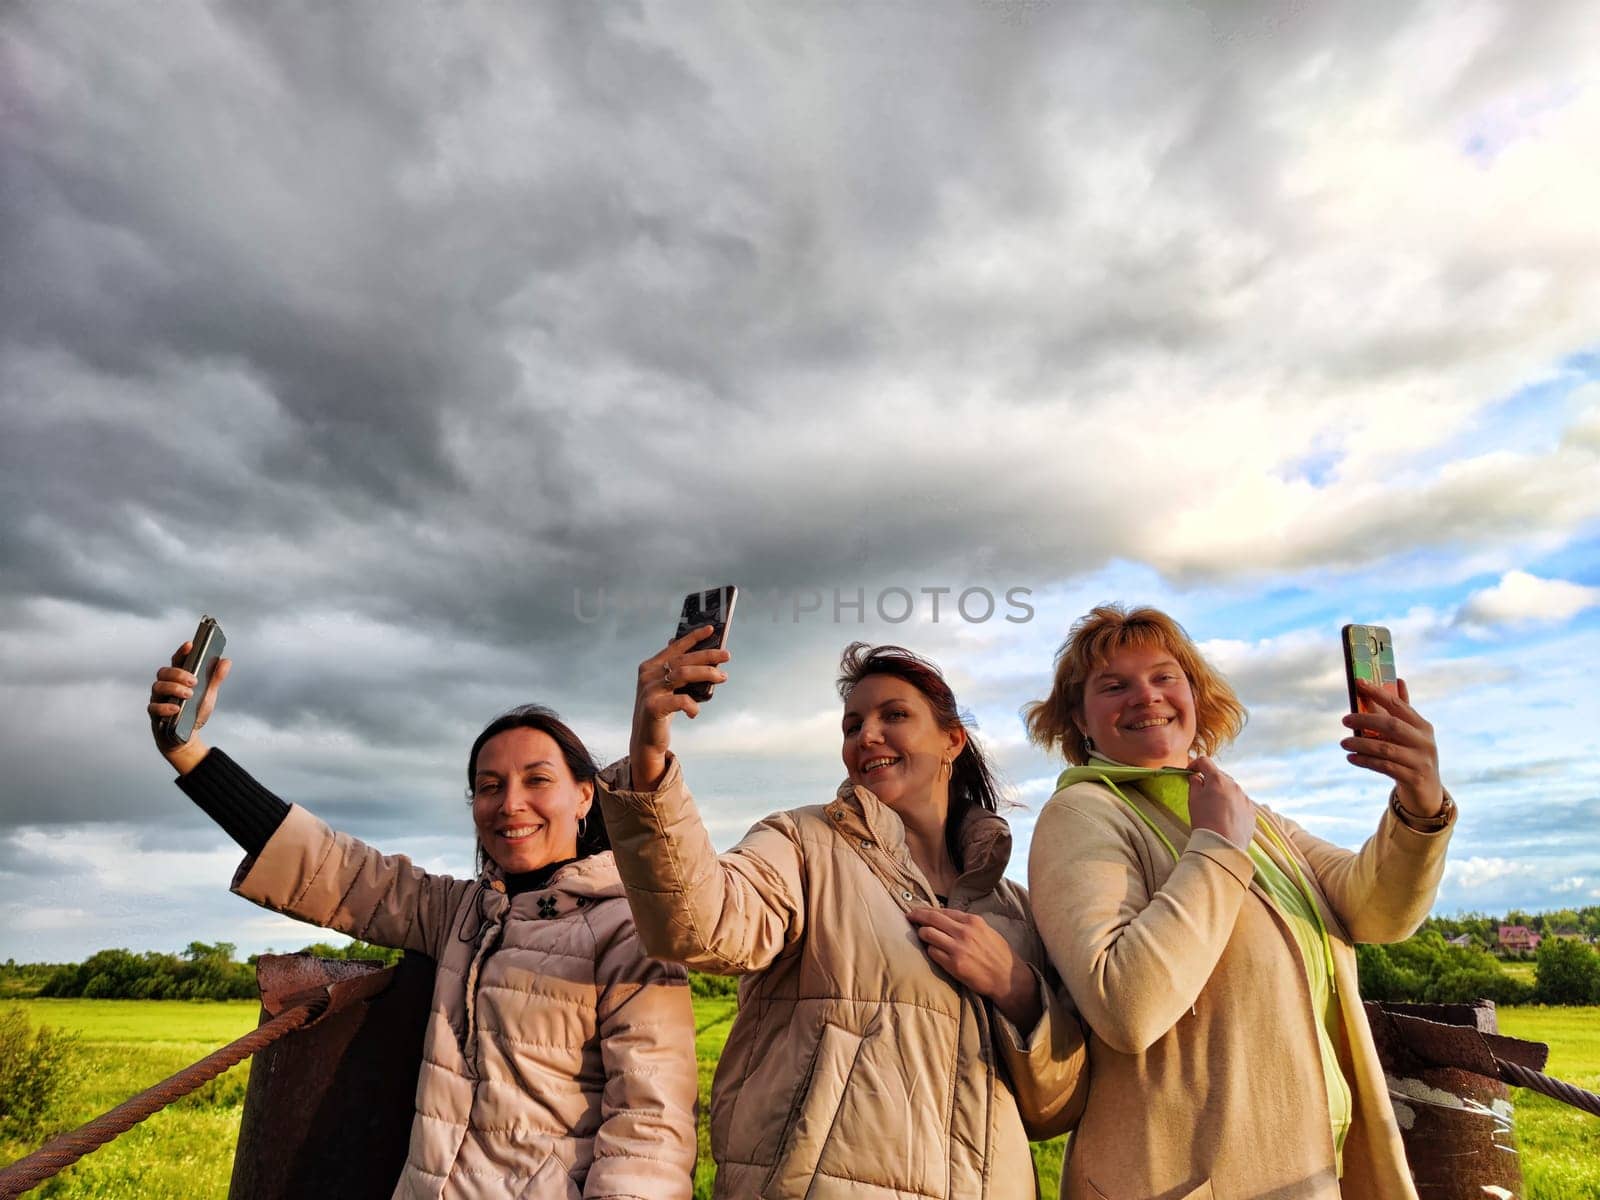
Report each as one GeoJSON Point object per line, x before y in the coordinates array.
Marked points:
{"type": "Point", "coordinates": [328, 1111]}
{"type": "Point", "coordinates": [1453, 1110]}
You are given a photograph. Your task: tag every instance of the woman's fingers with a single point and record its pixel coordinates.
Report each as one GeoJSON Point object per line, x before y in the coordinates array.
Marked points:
{"type": "Point", "coordinates": [932, 936]}
{"type": "Point", "coordinates": [171, 687]}
{"type": "Point", "coordinates": [1396, 741]}
{"type": "Point", "coordinates": [1391, 705]}
{"type": "Point", "coordinates": [1218, 803]}
{"type": "Point", "coordinates": [683, 673]}
{"type": "Point", "coordinates": [689, 640]}
{"type": "Point", "coordinates": [669, 670]}
{"type": "Point", "coordinates": [943, 931]}
{"type": "Point", "coordinates": [659, 705]}
{"type": "Point", "coordinates": [970, 949]}
{"type": "Point", "coordinates": [945, 919]}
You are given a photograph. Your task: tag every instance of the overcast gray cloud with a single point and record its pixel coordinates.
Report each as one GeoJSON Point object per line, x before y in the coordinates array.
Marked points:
{"type": "Point", "coordinates": [424, 347]}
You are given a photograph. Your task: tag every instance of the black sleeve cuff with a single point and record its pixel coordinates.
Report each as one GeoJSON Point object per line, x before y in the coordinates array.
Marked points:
{"type": "Point", "coordinates": [231, 797]}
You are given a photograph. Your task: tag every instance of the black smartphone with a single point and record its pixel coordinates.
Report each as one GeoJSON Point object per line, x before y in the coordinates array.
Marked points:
{"type": "Point", "coordinates": [1368, 655]}
{"type": "Point", "coordinates": [714, 607]}
{"type": "Point", "coordinates": [201, 662]}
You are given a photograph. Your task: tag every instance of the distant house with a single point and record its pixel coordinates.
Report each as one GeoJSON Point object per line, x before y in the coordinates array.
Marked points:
{"type": "Point", "coordinates": [1518, 938]}
{"type": "Point", "coordinates": [1461, 939]}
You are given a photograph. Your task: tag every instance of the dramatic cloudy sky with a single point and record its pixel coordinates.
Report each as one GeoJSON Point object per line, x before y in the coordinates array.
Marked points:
{"type": "Point", "coordinates": [434, 348]}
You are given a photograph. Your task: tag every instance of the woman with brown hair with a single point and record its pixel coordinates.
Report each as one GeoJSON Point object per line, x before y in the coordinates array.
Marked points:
{"type": "Point", "coordinates": [558, 1060]}
{"type": "Point", "coordinates": [1209, 942]}
{"type": "Point", "coordinates": [898, 1032]}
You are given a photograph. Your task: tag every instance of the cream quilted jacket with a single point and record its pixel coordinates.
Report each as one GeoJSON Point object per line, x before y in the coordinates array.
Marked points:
{"type": "Point", "coordinates": [558, 1060]}
{"type": "Point", "coordinates": [855, 1067]}
{"type": "Point", "coordinates": [1207, 1078]}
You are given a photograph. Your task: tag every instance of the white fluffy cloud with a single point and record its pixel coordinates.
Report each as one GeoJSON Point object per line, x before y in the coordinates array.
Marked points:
{"type": "Point", "coordinates": [1521, 598]}
{"type": "Point", "coordinates": [1471, 874]}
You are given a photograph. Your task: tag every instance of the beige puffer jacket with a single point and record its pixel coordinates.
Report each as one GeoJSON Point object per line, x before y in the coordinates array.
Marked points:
{"type": "Point", "coordinates": [855, 1067]}
{"type": "Point", "coordinates": [558, 1060]}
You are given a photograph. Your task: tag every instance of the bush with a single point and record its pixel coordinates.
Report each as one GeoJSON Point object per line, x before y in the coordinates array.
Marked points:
{"type": "Point", "coordinates": [1426, 969]}
{"type": "Point", "coordinates": [204, 972]}
{"type": "Point", "coordinates": [1384, 979]}
{"type": "Point", "coordinates": [1568, 972]}
{"type": "Point", "coordinates": [37, 1070]}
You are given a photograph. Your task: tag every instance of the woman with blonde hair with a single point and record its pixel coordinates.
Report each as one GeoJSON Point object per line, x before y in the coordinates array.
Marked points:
{"type": "Point", "coordinates": [898, 1033]}
{"type": "Point", "coordinates": [1207, 941]}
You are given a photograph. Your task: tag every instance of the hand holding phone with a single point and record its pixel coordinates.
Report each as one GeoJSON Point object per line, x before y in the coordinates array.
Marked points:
{"type": "Point", "coordinates": [714, 608]}
{"type": "Point", "coordinates": [1387, 734]}
{"type": "Point", "coordinates": [183, 695]}
{"type": "Point", "coordinates": [678, 678]}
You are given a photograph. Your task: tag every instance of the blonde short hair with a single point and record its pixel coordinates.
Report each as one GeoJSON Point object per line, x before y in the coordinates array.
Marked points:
{"type": "Point", "coordinates": [1092, 641]}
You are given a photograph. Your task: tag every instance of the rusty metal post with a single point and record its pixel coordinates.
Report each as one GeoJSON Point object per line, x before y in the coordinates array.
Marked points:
{"type": "Point", "coordinates": [328, 1110]}
{"type": "Point", "coordinates": [1454, 1114]}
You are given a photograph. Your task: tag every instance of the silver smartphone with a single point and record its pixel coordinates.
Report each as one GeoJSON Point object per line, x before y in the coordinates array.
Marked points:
{"type": "Point", "coordinates": [201, 662]}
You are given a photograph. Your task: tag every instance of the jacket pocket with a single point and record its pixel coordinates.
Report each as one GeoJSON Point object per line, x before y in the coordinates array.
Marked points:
{"type": "Point", "coordinates": [1203, 1192]}
{"type": "Point", "coordinates": [811, 1122]}
{"type": "Point", "coordinates": [552, 1179]}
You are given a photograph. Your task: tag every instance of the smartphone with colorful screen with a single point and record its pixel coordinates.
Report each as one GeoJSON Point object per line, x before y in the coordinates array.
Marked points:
{"type": "Point", "coordinates": [1368, 655]}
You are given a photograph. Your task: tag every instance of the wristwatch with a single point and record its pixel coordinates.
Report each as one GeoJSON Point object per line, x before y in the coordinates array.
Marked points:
{"type": "Point", "coordinates": [1411, 820]}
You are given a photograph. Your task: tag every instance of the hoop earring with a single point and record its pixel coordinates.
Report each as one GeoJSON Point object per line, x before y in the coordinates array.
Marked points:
{"type": "Point", "coordinates": [946, 768]}
{"type": "Point", "coordinates": [1088, 744]}
{"type": "Point", "coordinates": [583, 826]}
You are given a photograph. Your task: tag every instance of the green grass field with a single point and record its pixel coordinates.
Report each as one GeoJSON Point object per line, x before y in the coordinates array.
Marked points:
{"type": "Point", "coordinates": [187, 1150]}
{"type": "Point", "coordinates": [1560, 1145]}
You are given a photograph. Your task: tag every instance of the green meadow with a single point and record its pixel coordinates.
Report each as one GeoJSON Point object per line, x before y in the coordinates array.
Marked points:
{"type": "Point", "coordinates": [187, 1150]}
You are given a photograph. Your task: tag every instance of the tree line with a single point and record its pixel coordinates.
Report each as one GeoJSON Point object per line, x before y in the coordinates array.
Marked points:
{"type": "Point", "coordinates": [202, 971]}
{"type": "Point", "coordinates": [1424, 968]}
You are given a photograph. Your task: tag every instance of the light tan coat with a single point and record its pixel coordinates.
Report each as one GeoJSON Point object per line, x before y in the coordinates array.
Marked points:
{"type": "Point", "coordinates": [558, 1060]}
{"type": "Point", "coordinates": [855, 1067]}
{"type": "Point", "coordinates": [1205, 1074]}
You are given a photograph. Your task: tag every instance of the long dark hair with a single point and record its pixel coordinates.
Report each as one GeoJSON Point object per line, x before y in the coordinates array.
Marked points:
{"type": "Point", "coordinates": [972, 783]}
{"type": "Point", "coordinates": [580, 762]}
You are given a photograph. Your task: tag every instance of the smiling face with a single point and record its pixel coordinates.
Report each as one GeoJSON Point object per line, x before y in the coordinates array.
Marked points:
{"type": "Point", "coordinates": [525, 802]}
{"type": "Point", "coordinates": [1139, 709]}
{"type": "Point", "coordinates": [894, 746]}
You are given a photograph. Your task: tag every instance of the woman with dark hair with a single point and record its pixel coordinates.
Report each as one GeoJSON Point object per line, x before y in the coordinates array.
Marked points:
{"type": "Point", "coordinates": [898, 1032]}
{"type": "Point", "coordinates": [558, 1060]}
{"type": "Point", "coordinates": [1208, 941]}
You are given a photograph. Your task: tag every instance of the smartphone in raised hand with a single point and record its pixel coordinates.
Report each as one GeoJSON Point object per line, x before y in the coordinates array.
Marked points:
{"type": "Point", "coordinates": [713, 607]}
{"type": "Point", "coordinates": [204, 653]}
{"type": "Point", "coordinates": [1369, 656]}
